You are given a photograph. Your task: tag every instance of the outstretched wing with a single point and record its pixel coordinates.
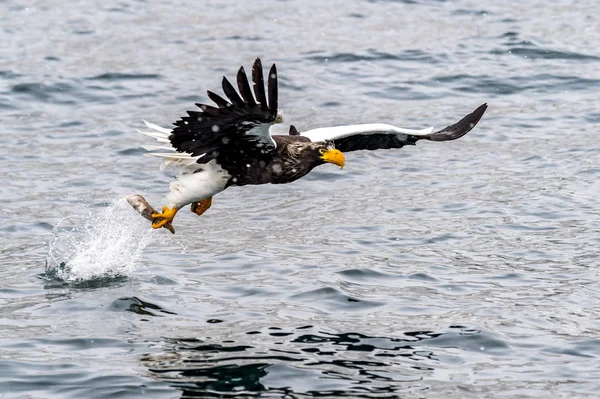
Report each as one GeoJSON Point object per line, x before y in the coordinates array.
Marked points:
{"type": "Point", "coordinates": [235, 131]}
{"type": "Point", "coordinates": [382, 136]}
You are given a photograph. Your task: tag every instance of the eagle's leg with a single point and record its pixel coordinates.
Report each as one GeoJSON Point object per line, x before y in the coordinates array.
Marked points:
{"type": "Point", "coordinates": [161, 219]}
{"type": "Point", "coordinates": [201, 206]}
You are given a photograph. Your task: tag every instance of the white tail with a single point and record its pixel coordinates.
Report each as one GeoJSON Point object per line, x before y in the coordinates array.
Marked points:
{"type": "Point", "coordinates": [171, 159]}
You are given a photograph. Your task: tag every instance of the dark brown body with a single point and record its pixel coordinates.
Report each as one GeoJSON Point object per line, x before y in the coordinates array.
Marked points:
{"type": "Point", "coordinates": [294, 157]}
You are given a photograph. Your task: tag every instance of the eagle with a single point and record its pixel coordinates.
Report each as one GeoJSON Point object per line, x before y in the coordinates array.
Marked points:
{"type": "Point", "coordinates": [230, 144]}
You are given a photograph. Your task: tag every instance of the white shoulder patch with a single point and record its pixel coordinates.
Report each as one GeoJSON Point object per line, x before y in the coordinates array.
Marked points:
{"type": "Point", "coordinates": [339, 132]}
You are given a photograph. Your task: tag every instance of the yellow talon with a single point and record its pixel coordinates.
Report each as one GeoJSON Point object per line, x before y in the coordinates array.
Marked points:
{"type": "Point", "coordinates": [201, 206]}
{"type": "Point", "coordinates": [161, 219]}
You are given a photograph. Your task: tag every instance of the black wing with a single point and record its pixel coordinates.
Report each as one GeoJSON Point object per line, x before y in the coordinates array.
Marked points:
{"type": "Point", "coordinates": [293, 131]}
{"type": "Point", "coordinates": [236, 131]}
{"type": "Point", "coordinates": [375, 137]}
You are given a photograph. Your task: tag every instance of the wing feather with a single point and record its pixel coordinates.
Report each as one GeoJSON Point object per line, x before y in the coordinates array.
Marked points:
{"type": "Point", "coordinates": [231, 94]}
{"type": "Point", "coordinates": [160, 129]}
{"type": "Point", "coordinates": [382, 136]}
{"type": "Point", "coordinates": [460, 128]}
{"type": "Point", "coordinates": [259, 84]}
{"type": "Point", "coordinates": [217, 99]}
{"type": "Point", "coordinates": [293, 131]}
{"type": "Point", "coordinates": [234, 132]}
{"type": "Point", "coordinates": [244, 87]}
{"type": "Point", "coordinates": [272, 89]}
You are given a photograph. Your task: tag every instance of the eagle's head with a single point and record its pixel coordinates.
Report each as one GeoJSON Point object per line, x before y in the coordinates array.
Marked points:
{"type": "Point", "coordinates": [324, 151]}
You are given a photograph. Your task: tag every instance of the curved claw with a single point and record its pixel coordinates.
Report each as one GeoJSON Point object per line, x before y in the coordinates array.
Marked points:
{"type": "Point", "coordinates": [161, 219]}
{"type": "Point", "coordinates": [157, 224]}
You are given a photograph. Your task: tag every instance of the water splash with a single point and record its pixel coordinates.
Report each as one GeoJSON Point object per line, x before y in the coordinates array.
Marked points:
{"type": "Point", "coordinates": [106, 243]}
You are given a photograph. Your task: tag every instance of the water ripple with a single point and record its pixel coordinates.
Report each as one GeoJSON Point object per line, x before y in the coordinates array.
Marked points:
{"type": "Point", "coordinates": [372, 55]}
{"type": "Point", "coordinates": [114, 76]}
{"type": "Point", "coordinates": [540, 53]}
{"type": "Point", "coordinates": [443, 270]}
{"type": "Point", "coordinates": [340, 364]}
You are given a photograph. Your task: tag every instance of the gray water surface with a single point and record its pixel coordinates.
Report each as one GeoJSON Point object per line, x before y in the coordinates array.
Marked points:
{"type": "Point", "coordinates": [464, 269]}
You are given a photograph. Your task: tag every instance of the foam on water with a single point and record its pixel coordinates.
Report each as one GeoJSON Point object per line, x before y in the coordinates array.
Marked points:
{"type": "Point", "coordinates": [105, 243]}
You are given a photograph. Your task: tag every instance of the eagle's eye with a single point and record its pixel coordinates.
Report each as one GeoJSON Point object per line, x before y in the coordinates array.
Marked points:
{"type": "Point", "coordinates": [321, 151]}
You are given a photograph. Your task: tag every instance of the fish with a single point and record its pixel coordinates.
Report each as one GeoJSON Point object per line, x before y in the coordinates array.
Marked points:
{"type": "Point", "coordinates": [142, 206]}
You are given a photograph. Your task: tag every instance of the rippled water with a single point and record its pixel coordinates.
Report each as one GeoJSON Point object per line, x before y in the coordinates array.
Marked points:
{"type": "Point", "coordinates": [462, 269]}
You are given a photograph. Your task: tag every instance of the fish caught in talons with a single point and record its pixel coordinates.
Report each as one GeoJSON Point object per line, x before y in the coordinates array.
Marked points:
{"type": "Point", "coordinates": [142, 206]}
{"type": "Point", "coordinates": [161, 219]}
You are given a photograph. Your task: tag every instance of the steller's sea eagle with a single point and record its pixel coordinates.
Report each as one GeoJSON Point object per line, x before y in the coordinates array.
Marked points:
{"type": "Point", "coordinates": [230, 144]}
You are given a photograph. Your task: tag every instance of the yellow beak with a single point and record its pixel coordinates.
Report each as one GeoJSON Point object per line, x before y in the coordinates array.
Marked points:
{"type": "Point", "coordinates": [335, 157]}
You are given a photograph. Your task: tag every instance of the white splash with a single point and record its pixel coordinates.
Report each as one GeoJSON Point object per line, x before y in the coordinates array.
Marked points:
{"type": "Point", "coordinates": [107, 243]}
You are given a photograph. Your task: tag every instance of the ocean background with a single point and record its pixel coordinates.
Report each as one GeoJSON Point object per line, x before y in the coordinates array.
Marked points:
{"type": "Point", "coordinates": [464, 269]}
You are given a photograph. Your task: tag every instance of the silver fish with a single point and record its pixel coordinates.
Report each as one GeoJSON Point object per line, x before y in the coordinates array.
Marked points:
{"type": "Point", "coordinates": [140, 204]}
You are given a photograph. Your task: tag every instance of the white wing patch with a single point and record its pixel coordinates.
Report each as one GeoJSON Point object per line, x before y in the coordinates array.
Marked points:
{"type": "Point", "coordinates": [339, 132]}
